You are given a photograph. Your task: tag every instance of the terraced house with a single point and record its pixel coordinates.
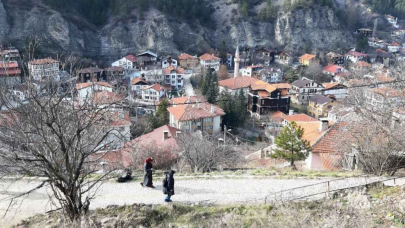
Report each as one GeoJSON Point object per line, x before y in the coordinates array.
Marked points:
{"type": "Point", "coordinates": [187, 61]}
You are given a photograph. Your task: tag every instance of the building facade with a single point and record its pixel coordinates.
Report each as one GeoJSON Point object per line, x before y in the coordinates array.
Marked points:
{"type": "Point", "coordinates": [40, 69]}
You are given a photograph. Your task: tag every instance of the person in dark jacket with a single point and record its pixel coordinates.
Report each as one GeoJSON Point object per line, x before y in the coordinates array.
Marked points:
{"type": "Point", "coordinates": [147, 179]}
{"type": "Point", "coordinates": [168, 185]}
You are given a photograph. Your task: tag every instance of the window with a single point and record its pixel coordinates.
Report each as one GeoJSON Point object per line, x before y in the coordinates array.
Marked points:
{"type": "Point", "coordinates": [173, 76]}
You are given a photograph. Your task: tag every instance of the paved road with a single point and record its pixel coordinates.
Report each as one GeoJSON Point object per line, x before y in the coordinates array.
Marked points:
{"type": "Point", "coordinates": [187, 85]}
{"type": "Point", "coordinates": [218, 191]}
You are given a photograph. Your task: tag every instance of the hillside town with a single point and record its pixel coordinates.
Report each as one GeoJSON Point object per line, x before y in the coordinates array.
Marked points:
{"type": "Point", "coordinates": [231, 108]}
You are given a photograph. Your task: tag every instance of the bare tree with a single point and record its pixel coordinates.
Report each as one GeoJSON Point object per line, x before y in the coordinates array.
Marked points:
{"type": "Point", "coordinates": [52, 134]}
{"type": "Point", "coordinates": [203, 154]}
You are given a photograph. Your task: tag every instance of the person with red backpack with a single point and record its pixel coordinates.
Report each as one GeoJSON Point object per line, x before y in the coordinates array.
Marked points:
{"type": "Point", "coordinates": [168, 185]}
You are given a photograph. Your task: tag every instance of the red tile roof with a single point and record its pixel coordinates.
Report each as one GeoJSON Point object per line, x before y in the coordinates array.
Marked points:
{"type": "Point", "coordinates": [356, 54]}
{"type": "Point", "coordinates": [10, 72]}
{"type": "Point", "coordinates": [87, 84]}
{"type": "Point", "coordinates": [237, 83]}
{"type": "Point", "coordinates": [118, 121]}
{"type": "Point", "coordinates": [330, 85]}
{"type": "Point", "coordinates": [138, 80]}
{"type": "Point", "coordinates": [277, 116]}
{"type": "Point", "coordinates": [43, 61]}
{"type": "Point", "coordinates": [114, 69]}
{"type": "Point", "coordinates": [195, 111]}
{"type": "Point", "coordinates": [388, 92]}
{"type": "Point", "coordinates": [331, 141]}
{"type": "Point", "coordinates": [307, 57]}
{"type": "Point", "coordinates": [362, 64]}
{"type": "Point", "coordinates": [156, 87]}
{"type": "Point", "coordinates": [300, 118]}
{"type": "Point", "coordinates": [106, 97]}
{"type": "Point", "coordinates": [187, 99]}
{"type": "Point", "coordinates": [334, 69]}
{"type": "Point", "coordinates": [207, 57]}
{"type": "Point", "coordinates": [131, 58]}
{"type": "Point", "coordinates": [171, 68]}
{"type": "Point", "coordinates": [184, 56]}
{"type": "Point", "coordinates": [90, 70]}
{"type": "Point", "coordinates": [261, 85]}
{"type": "Point", "coordinates": [11, 64]}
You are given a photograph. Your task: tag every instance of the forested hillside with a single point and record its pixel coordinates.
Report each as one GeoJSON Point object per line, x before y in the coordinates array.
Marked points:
{"type": "Point", "coordinates": [394, 7]}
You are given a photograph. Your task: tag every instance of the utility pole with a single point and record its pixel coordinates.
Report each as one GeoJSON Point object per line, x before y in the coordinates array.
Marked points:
{"type": "Point", "coordinates": [224, 134]}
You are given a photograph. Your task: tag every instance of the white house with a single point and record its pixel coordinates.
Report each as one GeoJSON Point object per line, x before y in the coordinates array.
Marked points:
{"type": "Point", "coordinates": [43, 68]}
{"type": "Point", "coordinates": [336, 89]}
{"type": "Point", "coordinates": [394, 47]}
{"type": "Point", "coordinates": [118, 124]}
{"type": "Point", "coordinates": [128, 62]}
{"type": "Point", "coordinates": [153, 93]}
{"type": "Point", "coordinates": [272, 75]}
{"type": "Point", "coordinates": [85, 90]}
{"type": "Point", "coordinates": [392, 20]}
{"type": "Point", "coordinates": [190, 118]}
{"type": "Point", "coordinates": [174, 76]}
{"type": "Point", "coordinates": [355, 56]}
{"type": "Point", "coordinates": [210, 61]}
{"type": "Point", "coordinates": [251, 70]}
{"type": "Point", "coordinates": [137, 85]}
{"type": "Point", "coordinates": [302, 89]}
{"type": "Point", "coordinates": [169, 62]}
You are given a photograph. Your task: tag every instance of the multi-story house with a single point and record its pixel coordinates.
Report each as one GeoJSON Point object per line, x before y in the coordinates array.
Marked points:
{"type": "Point", "coordinates": [187, 61]}
{"type": "Point", "coordinates": [228, 62]}
{"type": "Point", "coordinates": [320, 105]}
{"type": "Point", "coordinates": [307, 59]}
{"type": "Point", "coordinates": [365, 32]}
{"type": "Point", "coordinates": [10, 73]}
{"type": "Point", "coordinates": [154, 76]}
{"type": "Point", "coordinates": [40, 69]}
{"type": "Point", "coordinates": [355, 56]}
{"type": "Point", "coordinates": [394, 47]}
{"type": "Point", "coordinates": [153, 93]}
{"type": "Point", "coordinates": [210, 61]}
{"type": "Point", "coordinates": [284, 58]}
{"type": "Point", "coordinates": [169, 62]}
{"type": "Point", "coordinates": [392, 20]}
{"type": "Point", "coordinates": [86, 90]}
{"type": "Point", "coordinates": [194, 117]}
{"type": "Point", "coordinates": [264, 99]}
{"type": "Point", "coordinates": [335, 58]}
{"type": "Point", "coordinates": [128, 62]}
{"type": "Point", "coordinates": [252, 71]}
{"type": "Point", "coordinates": [115, 75]}
{"type": "Point", "coordinates": [303, 89]}
{"type": "Point", "coordinates": [361, 66]}
{"type": "Point", "coordinates": [384, 97]}
{"type": "Point", "coordinates": [137, 85]}
{"type": "Point", "coordinates": [333, 69]}
{"type": "Point", "coordinates": [146, 59]}
{"type": "Point", "coordinates": [335, 89]}
{"type": "Point", "coordinates": [9, 54]}
{"type": "Point", "coordinates": [174, 76]}
{"type": "Point", "coordinates": [272, 75]}
{"type": "Point", "coordinates": [92, 74]}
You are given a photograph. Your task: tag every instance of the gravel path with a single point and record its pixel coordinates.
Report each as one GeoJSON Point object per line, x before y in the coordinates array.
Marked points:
{"type": "Point", "coordinates": [218, 191]}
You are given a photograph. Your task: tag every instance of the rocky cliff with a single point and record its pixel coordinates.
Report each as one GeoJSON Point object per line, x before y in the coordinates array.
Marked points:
{"type": "Point", "coordinates": [70, 33]}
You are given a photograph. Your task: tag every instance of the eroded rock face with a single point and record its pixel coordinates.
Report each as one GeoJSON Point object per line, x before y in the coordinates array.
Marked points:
{"type": "Point", "coordinates": [4, 26]}
{"type": "Point", "coordinates": [72, 34]}
{"type": "Point", "coordinates": [315, 27]}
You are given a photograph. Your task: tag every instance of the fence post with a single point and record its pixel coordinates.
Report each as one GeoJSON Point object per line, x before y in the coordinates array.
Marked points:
{"type": "Point", "coordinates": [328, 190]}
{"type": "Point", "coordinates": [394, 181]}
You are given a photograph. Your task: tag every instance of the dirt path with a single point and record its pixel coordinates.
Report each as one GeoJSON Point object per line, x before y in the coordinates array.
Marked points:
{"type": "Point", "coordinates": [218, 191]}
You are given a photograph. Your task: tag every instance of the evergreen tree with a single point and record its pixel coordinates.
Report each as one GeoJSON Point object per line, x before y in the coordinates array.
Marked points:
{"type": "Point", "coordinates": [212, 91]}
{"type": "Point", "coordinates": [241, 107]}
{"type": "Point", "coordinates": [271, 11]}
{"type": "Point", "coordinates": [244, 9]}
{"type": "Point", "coordinates": [291, 76]}
{"type": "Point", "coordinates": [290, 145]}
{"type": "Point", "coordinates": [223, 52]}
{"type": "Point", "coordinates": [206, 81]}
{"type": "Point", "coordinates": [227, 103]}
{"type": "Point", "coordinates": [287, 5]}
{"type": "Point", "coordinates": [161, 116]}
{"type": "Point", "coordinates": [400, 6]}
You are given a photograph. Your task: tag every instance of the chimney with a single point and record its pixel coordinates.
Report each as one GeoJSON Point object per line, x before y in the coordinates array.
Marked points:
{"type": "Point", "coordinates": [323, 125]}
{"type": "Point", "coordinates": [212, 109]}
{"type": "Point", "coordinates": [198, 103]}
{"type": "Point", "coordinates": [165, 135]}
{"type": "Point", "coordinates": [291, 112]}
{"type": "Point", "coordinates": [178, 133]}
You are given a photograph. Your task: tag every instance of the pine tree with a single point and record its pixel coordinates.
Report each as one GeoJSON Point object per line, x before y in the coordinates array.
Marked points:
{"type": "Point", "coordinates": [162, 113]}
{"type": "Point", "coordinates": [241, 107]}
{"type": "Point", "coordinates": [212, 91]}
{"type": "Point", "coordinates": [400, 6]}
{"type": "Point", "coordinates": [206, 81]}
{"type": "Point", "coordinates": [223, 52]}
{"type": "Point", "coordinates": [290, 145]}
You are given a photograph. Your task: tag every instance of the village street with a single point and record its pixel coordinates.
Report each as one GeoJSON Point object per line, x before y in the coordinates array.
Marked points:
{"type": "Point", "coordinates": [188, 88]}
{"type": "Point", "coordinates": [187, 191]}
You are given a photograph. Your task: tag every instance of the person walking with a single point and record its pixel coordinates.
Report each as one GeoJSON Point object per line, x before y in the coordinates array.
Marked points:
{"type": "Point", "coordinates": [147, 179]}
{"type": "Point", "coordinates": [168, 185]}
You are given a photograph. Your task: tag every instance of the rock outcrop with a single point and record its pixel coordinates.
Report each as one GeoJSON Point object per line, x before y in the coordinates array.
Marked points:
{"type": "Point", "coordinates": [64, 33]}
